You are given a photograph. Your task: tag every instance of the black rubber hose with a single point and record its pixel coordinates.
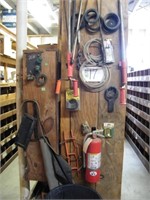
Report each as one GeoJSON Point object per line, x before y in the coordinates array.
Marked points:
{"type": "Point", "coordinates": [91, 20]}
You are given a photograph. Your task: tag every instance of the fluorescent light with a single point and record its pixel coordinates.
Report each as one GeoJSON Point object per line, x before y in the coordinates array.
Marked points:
{"type": "Point", "coordinates": [5, 5]}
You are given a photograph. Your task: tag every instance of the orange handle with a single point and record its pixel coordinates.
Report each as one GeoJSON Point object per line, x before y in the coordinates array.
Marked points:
{"type": "Point", "coordinates": [58, 86]}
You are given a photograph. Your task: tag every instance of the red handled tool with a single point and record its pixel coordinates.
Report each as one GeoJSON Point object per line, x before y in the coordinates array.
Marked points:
{"type": "Point", "coordinates": [69, 54]}
{"type": "Point", "coordinates": [58, 86]}
{"type": "Point", "coordinates": [75, 88]}
{"type": "Point", "coordinates": [123, 62]}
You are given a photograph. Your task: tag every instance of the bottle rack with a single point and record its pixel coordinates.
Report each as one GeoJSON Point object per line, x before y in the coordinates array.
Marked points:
{"type": "Point", "coordinates": [137, 126]}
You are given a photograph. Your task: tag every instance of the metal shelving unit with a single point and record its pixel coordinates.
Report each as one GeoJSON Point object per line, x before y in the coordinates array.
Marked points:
{"type": "Point", "coordinates": [138, 114]}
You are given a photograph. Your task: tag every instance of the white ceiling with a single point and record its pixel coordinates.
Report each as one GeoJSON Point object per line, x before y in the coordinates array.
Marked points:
{"type": "Point", "coordinates": [46, 22]}
{"type": "Point", "coordinates": [42, 15]}
{"type": "Point", "coordinates": [136, 5]}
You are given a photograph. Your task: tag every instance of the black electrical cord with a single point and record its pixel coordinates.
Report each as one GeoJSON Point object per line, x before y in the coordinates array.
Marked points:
{"type": "Point", "coordinates": [110, 23]}
{"type": "Point", "coordinates": [91, 57]}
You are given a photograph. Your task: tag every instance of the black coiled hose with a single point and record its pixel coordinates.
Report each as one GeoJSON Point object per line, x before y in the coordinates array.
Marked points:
{"type": "Point", "coordinates": [91, 20]}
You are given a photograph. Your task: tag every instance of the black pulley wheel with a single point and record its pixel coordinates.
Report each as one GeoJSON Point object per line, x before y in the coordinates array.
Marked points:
{"type": "Point", "coordinates": [111, 23]}
{"type": "Point", "coordinates": [111, 94]}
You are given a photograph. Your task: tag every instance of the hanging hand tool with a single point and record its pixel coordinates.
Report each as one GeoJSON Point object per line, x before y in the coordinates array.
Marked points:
{"type": "Point", "coordinates": [111, 94]}
{"type": "Point", "coordinates": [69, 55]}
{"type": "Point", "coordinates": [77, 29]}
{"type": "Point", "coordinates": [73, 21]}
{"type": "Point", "coordinates": [75, 86]}
{"type": "Point", "coordinates": [122, 63]}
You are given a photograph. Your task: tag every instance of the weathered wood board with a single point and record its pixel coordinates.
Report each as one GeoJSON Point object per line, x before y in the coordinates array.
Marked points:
{"type": "Point", "coordinates": [93, 106]}
{"type": "Point", "coordinates": [45, 96]}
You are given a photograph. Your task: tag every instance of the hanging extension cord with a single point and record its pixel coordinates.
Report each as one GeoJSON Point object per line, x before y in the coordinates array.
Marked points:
{"type": "Point", "coordinates": [89, 56]}
{"type": "Point", "coordinates": [95, 86]}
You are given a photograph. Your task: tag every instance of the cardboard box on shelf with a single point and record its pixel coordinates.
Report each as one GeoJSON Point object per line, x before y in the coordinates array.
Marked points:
{"type": "Point", "coordinates": [5, 45]}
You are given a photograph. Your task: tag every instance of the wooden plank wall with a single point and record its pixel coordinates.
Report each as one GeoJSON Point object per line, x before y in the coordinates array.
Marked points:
{"type": "Point", "coordinates": [94, 106]}
{"type": "Point", "coordinates": [45, 96]}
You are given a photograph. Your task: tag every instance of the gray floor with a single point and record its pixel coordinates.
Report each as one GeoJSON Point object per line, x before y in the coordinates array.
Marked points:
{"type": "Point", "coordinates": [135, 178]}
{"type": "Point", "coordinates": [9, 182]}
{"type": "Point", "coordinates": [135, 182]}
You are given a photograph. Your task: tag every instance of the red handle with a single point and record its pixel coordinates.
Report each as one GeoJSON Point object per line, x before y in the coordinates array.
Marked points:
{"type": "Point", "coordinates": [70, 65]}
{"type": "Point", "coordinates": [122, 95]}
{"type": "Point", "coordinates": [75, 88]}
{"type": "Point", "coordinates": [123, 72]}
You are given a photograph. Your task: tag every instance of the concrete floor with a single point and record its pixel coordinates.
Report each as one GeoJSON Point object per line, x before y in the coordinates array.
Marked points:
{"type": "Point", "coordinates": [135, 178]}
{"type": "Point", "coordinates": [135, 182]}
{"type": "Point", "coordinates": [9, 182]}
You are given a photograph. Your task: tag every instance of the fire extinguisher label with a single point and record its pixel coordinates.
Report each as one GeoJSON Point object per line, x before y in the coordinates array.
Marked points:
{"type": "Point", "coordinates": [94, 161]}
{"type": "Point", "coordinates": [92, 173]}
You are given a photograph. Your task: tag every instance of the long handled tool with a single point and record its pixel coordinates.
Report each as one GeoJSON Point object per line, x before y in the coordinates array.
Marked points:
{"type": "Point", "coordinates": [123, 62]}
{"type": "Point", "coordinates": [48, 164]}
{"type": "Point", "coordinates": [69, 54]}
{"type": "Point", "coordinates": [77, 29]}
{"type": "Point", "coordinates": [57, 169]}
{"type": "Point", "coordinates": [71, 46]}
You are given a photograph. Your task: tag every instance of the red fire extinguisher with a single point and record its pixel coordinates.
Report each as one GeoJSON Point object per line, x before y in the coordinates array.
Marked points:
{"type": "Point", "coordinates": [92, 150]}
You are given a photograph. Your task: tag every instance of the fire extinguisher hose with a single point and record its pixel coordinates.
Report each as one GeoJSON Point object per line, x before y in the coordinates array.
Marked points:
{"type": "Point", "coordinates": [85, 147]}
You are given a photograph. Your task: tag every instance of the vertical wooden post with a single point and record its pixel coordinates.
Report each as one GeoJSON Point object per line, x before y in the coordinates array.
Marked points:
{"type": "Point", "coordinates": [21, 45]}
{"type": "Point", "coordinates": [5, 72]}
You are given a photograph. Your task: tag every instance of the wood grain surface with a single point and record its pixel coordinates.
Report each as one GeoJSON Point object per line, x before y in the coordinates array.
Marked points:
{"type": "Point", "coordinates": [45, 96]}
{"type": "Point", "coordinates": [93, 106]}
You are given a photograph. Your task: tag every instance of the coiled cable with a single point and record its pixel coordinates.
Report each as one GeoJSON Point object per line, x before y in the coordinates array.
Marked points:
{"type": "Point", "coordinates": [91, 57]}
{"type": "Point", "coordinates": [94, 86]}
